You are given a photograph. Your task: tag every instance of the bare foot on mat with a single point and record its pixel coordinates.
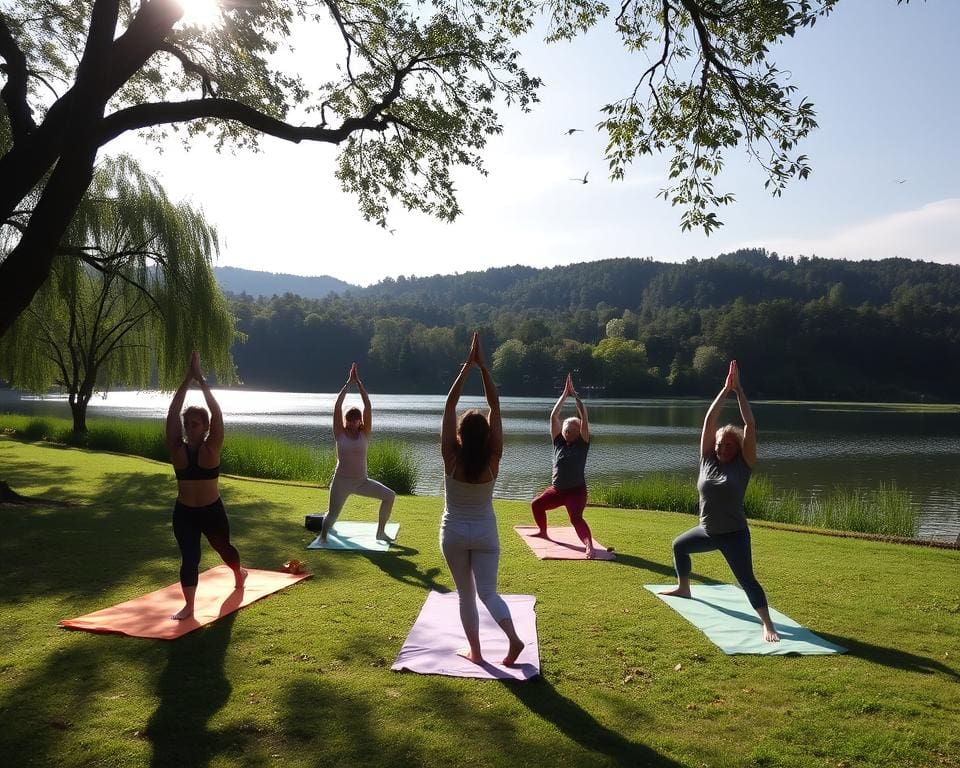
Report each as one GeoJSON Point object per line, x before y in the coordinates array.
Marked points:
{"type": "Point", "coordinates": [516, 648]}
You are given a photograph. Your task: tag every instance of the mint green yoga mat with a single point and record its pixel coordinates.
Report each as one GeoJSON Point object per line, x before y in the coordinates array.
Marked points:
{"type": "Point", "coordinates": [723, 613]}
{"type": "Point", "coordinates": [356, 536]}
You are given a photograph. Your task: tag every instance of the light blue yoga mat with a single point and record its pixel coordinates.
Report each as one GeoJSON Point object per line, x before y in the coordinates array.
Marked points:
{"type": "Point", "coordinates": [356, 536]}
{"type": "Point", "coordinates": [723, 613]}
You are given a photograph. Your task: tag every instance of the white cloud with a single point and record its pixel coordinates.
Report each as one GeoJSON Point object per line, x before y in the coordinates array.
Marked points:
{"type": "Point", "coordinates": [930, 233]}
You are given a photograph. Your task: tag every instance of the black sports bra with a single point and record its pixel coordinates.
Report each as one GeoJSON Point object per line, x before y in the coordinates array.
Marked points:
{"type": "Point", "coordinates": [193, 471]}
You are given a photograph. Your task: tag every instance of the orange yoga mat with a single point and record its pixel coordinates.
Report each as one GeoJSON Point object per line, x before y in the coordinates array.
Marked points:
{"type": "Point", "coordinates": [149, 615]}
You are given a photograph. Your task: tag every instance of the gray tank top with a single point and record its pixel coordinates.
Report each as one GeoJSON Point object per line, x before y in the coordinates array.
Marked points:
{"type": "Point", "coordinates": [722, 488]}
{"type": "Point", "coordinates": [467, 501]}
{"type": "Point", "coordinates": [569, 463]}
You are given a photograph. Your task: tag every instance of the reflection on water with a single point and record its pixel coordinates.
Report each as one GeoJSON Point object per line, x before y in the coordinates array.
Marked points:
{"type": "Point", "coordinates": [808, 447]}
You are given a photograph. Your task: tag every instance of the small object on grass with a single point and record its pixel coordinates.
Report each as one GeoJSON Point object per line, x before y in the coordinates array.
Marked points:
{"type": "Point", "coordinates": [295, 567]}
{"type": "Point", "coordinates": [313, 522]}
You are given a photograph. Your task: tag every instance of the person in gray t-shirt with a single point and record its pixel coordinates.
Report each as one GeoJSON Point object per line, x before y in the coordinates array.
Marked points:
{"type": "Point", "coordinates": [727, 456]}
{"type": "Point", "coordinates": [568, 486]}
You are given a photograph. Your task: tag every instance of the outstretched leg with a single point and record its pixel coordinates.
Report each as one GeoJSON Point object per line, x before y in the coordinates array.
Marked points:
{"type": "Point", "coordinates": [340, 490]}
{"type": "Point", "coordinates": [549, 499]}
{"type": "Point", "coordinates": [736, 550]}
{"type": "Point", "coordinates": [485, 562]}
{"type": "Point", "coordinates": [373, 489]}
{"type": "Point", "coordinates": [694, 540]}
{"type": "Point", "coordinates": [575, 500]}
{"type": "Point", "coordinates": [216, 527]}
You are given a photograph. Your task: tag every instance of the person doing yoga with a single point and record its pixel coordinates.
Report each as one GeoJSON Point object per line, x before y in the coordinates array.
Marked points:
{"type": "Point", "coordinates": [194, 446]}
{"type": "Point", "coordinates": [727, 456]}
{"type": "Point", "coordinates": [471, 451]}
{"type": "Point", "coordinates": [351, 432]}
{"type": "Point", "coordinates": [571, 441]}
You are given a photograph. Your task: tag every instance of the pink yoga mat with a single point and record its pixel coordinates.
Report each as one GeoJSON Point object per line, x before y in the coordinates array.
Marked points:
{"type": "Point", "coordinates": [561, 544]}
{"type": "Point", "coordinates": [432, 645]}
{"type": "Point", "coordinates": [149, 615]}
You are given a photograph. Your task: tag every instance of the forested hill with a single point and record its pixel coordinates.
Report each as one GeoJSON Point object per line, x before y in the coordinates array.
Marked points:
{"type": "Point", "coordinates": [236, 280]}
{"type": "Point", "coordinates": [801, 328]}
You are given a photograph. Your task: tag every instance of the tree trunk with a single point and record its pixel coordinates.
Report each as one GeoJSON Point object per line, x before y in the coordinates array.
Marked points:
{"type": "Point", "coordinates": [78, 407]}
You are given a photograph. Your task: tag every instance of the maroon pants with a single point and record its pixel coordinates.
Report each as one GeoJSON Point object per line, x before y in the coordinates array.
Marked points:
{"type": "Point", "coordinates": [574, 499]}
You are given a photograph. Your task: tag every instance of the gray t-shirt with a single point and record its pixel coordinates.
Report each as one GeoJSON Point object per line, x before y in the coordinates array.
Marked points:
{"type": "Point", "coordinates": [569, 463]}
{"type": "Point", "coordinates": [722, 488]}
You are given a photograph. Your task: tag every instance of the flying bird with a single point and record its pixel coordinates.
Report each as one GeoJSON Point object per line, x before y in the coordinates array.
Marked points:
{"type": "Point", "coordinates": [584, 179]}
{"type": "Point", "coordinates": [900, 181]}
{"type": "Point", "coordinates": [571, 131]}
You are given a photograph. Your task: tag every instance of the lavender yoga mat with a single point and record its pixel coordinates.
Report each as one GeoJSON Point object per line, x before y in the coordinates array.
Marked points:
{"type": "Point", "coordinates": [432, 645]}
{"type": "Point", "coordinates": [561, 544]}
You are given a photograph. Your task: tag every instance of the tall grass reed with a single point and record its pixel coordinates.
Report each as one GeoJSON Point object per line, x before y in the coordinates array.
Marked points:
{"type": "Point", "coordinates": [243, 454]}
{"type": "Point", "coordinates": [887, 510]}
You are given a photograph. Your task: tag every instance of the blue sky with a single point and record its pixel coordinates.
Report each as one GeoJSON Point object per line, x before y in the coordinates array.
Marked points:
{"type": "Point", "coordinates": [881, 76]}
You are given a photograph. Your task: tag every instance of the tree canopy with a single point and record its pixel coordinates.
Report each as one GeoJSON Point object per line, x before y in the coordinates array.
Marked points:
{"type": "Point", "coordinates": [409, 93]}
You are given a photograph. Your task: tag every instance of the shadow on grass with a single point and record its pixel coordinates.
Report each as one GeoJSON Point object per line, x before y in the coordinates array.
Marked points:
{"type": "Point", "coordinates": [125, 529]}
{"type": "Point", "coordinates": [340, 727]}
{"type": "Point", "coordinates": [19, 473]}
{"type": "Point", "coordinates": [893, 657]}
{"type": "Point", "coordinates": [580, 726]}
{"type": "Point", "coordinates": [47, 714]}
{"type": "Point", "coordinates": [395, 564]}
{"type": "Point", "coordinates": [192, 688]}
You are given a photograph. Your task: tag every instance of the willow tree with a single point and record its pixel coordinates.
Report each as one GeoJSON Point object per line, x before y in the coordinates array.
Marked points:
{"type": "Point", "coordinates": [132, 294]}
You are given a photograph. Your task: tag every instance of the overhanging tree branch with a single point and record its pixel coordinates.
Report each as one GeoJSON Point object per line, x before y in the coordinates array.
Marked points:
{"type": "Point", "coordinates": [14, 93]}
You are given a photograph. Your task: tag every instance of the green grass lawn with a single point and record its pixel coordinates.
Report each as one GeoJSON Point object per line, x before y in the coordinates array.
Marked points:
{"type": "Point", "coordinates": [302, 678]}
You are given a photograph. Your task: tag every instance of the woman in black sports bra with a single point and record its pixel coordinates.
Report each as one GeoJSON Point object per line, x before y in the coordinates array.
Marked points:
{"type": "Point", "coordinates": [195, 453]}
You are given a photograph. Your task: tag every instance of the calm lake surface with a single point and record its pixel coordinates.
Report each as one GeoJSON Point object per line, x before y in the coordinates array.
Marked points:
{"type": "Point", "coordinates": [811, 447]}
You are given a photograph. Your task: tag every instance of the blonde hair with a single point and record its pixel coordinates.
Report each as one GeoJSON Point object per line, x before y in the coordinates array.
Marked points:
{"type": "Point", "coordinates": [737, 432]}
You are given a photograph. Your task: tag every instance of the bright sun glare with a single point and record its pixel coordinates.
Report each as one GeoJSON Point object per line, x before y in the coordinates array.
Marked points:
{"type": "Point", "coordinates": [200, 13]}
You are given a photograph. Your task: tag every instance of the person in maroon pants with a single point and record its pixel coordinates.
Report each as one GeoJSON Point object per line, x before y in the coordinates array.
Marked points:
{"type": "Point", "coordinates": [568, 488]}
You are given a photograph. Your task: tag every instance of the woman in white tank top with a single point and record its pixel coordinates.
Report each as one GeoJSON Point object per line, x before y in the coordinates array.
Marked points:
{"type": "Point", "coordinates": [471, 451]}
{"type": "Point", "coordinates": [351, 433]}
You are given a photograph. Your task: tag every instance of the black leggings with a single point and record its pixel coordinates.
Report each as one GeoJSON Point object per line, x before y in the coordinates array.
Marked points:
{"type": "Point", "coordinates": [211, 521]}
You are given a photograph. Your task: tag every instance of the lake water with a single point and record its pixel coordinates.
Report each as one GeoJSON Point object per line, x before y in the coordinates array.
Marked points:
{"type": "Point", "coordinates": [811, 447]}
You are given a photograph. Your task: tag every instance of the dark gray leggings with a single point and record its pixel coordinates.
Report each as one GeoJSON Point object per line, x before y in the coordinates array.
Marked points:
{"type": "Point", "coordinates": [735, 548]}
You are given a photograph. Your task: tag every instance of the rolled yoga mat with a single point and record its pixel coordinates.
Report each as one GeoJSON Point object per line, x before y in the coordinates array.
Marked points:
{"type": "Point", "coordinates": [149, 615]}
{"type": "Point", "coordinates": [432, 645]}
{"type": "Point", "coordinates": [723, 613]}
{"type": "Point", "coordinates": [356, 536]}
{"type": "Point", "coordinates": [562, 544]}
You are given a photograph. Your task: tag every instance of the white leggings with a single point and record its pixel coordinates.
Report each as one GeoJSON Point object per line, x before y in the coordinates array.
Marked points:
{"type": "Point", "coordinates": [342, 487]}
{"type": "Point", "coordinates": [472, 551]}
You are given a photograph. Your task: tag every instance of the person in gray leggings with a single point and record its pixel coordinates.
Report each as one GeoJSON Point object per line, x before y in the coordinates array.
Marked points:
{"type": "Point", "coordinates": [352, 436]}
{"type": "Point", "coordinates": [727, 456]}
{"type": "Point", "coordinates": [471, 451]}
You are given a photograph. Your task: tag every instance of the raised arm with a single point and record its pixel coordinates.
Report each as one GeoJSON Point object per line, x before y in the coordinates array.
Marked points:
{"type": "Point", "coordinates": [555, 424]}
{"type": "Point", "coordinates": [584, 421]}
{"type": "Point", "coordinates": [749, 423]}
{"type": "Point", "coordinates": [214, 441]}
{"type": "Point", "coordinates": [338, 411]}
{"type": "Point", "coordinates": [493, 400]}
{"type": "Point", "coordinates": [174, 425]}
{"type": "Point", "coordinates": [448, 426]}
{"type": "Point", "coordinates": [367, 408]}
{"type": "Point", "coordinates": [708, 437]}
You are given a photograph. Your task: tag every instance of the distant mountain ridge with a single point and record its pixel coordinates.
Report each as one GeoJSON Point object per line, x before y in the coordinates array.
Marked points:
{"type": "Point", "coordinates": [267, 284]}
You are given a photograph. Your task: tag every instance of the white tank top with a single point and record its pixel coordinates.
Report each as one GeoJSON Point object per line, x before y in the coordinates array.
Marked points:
{"type": "Point", "coordinates": [352, 456]}
{"type": "Point", "coordinates": [467, 501]}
